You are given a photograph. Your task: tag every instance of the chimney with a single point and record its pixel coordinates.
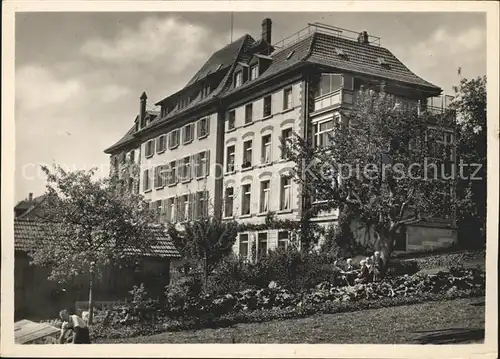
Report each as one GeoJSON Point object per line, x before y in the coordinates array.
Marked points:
{"type": "Point", "coordinates": [142, 109]}
{"type": "Point", "coordinates": [363, 38]}
{"type": "Point", "coordinates": [30, 197]}
{"type": "Point", "coordinates": [266, 30]}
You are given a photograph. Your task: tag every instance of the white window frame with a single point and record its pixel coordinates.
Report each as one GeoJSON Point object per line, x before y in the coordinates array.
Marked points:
{"type": "Point", "coordinates": [173, 139]}
{"type": "Point", "coordinates": [161, 144]}
{"type": "Point", "coordinates": [283, 157]}
{"type": "Point", "coordinates": [228, 196]}
{"type": "Point", "coordinates": [247, 119]}
{"type": "Point", "coordinates": [238, 78]}
{"type": "Point", "coordinates": [229, 156]}
{"type": "Point", "coordinates": [267, 149]}
{"type": "Point", "coordinates": [150, 150]}
{"type": "Point", "coordinates": [253, 75]}
{"type": "Point", "coordinates": [285, 193]}
{"type": "Point", "coordinates": [265, 196]}
{"type": "Point", "coordinates": [259, 241]}
{"type": "Point", "coordinates": [283, 240]}
{"type": "Point", "coordinates": [247, 153]}
{"type": "Point", "coordinates": [146, 186]}
{"type": "Point", "coordinates": [247, 242]}
{"type": "Point", "coordinates": [185, 132]}
{"type": "Point", "coordinates": [318, 133]}
{"type": "Point", "coordinates": [231, 120]}
{"type": "Point", "coordinates": [270, 106]}
{"type": "Point", "coordinates": [246, 193]}
{"type": "Point", "coordinates": [288, 99]}
{"type": "Point", "coordinates": [199, 125]}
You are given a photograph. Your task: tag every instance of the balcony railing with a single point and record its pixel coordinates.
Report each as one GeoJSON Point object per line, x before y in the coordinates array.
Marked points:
{"type": "Point", "coordinates": [335, 98]}
{"type": "Point", "coordinates": [324, 29]}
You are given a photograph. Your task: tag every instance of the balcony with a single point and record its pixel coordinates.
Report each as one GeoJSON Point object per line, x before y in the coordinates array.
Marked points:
{"type": "Point", "coordinates": [333, 99]}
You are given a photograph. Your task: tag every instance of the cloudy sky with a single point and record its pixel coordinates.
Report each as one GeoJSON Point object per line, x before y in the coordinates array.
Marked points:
{"type": "Point", "coordinates": [79, 75]}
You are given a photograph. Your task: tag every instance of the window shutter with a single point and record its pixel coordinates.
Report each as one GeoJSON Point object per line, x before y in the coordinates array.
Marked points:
{"type": "Point", "coordinates": [191, 205]}
{"type": "Point", "coordinates": [192, 169]}
{"type": "Point", "coordinates": [155, 173]}
{"type": "Point", "coordinates": [178, 177]}
{"type": "Point", "coordinates": [198, 129]}
{"type": "Point", "coordinates": [168, 173]}
{"type": "Point", "coordinates": [207, 163]}
{"type": "Point", "coordinates": [208, 126]}
{"type": "Point", "coordinates": [166, 209]}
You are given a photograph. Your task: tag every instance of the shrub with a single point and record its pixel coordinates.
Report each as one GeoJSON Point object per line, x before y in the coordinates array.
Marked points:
{"type": "Point", "coordinates": [401, 267]}
{"type": "Point", "coordinates": [182, 289]}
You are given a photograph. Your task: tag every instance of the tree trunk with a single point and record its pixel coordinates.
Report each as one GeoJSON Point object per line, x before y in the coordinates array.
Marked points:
{"type": "Point", "coordinates": [386, 237]}
{"type": "Point", "coordinates": [205, 270]}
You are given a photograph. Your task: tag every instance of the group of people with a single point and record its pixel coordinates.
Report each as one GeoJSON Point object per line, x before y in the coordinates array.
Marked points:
{"type": "Point", "coordinates": [370, 270]}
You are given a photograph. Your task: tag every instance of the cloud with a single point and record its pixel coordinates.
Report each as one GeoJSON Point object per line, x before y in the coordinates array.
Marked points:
{"type": "Point", "coordinates": [444, 44]}
{"type": "Point", "coordinates": [37, 87]}
{"type": "Point", "coordinates": [112, 93]}
{"type": "Point", "coordinates": [154, 38]}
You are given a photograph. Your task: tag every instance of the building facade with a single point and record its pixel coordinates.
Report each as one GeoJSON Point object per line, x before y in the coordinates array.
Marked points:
{"type": "Point", "coordinates": [214, 147]}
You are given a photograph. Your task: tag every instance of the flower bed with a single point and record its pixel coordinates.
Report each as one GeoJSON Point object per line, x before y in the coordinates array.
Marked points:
{"type": "Point", "coordinates": [278, 303]}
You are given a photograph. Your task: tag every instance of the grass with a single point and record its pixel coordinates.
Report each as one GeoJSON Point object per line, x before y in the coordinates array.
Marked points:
{"type": "Point", "coordinates": [448, 322]}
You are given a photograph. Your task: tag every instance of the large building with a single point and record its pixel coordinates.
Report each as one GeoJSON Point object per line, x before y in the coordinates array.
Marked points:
{"type": "Point", "coordinates": [214, 147]}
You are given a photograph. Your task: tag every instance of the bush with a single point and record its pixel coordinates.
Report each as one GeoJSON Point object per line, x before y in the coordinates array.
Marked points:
{"type": "Point", "coordinates": [401, 267]}
{"type": "Point", "coordinates": [182, 290]}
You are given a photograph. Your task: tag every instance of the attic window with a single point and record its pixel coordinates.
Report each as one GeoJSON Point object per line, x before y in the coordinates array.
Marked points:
{"type": "Point", "coordinates": [290, 55]}
{"type": "Point", "coordinates": [339, 52]}
{"type": "Point", "coordinates": [382, 62]}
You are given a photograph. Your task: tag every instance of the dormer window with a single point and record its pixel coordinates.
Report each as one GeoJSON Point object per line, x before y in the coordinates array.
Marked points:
{"type": "Point", "coordinates": [382, 62]}
{"type": "Point", "coordinates": [254, 72]}
{"type": "Point", "coordinates": [238, 79]}
{"type": "Point", "coordinates": [164, 110]}
{"type": "Point", "coordinates": [205, 91]}
{"type": "Point", "coordinates": [290, 55]}
{"type": "Point", "coordinates": [136, 126]}
{"type": "Point", "coordinates": [339, 51]}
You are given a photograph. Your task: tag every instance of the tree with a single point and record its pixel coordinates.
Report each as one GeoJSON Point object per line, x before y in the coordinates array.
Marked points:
{"type": "Point", "coordinates": [90, 220]}
{"type": "Point", "coordinates": [373, 164]}
{"type": "Point", "coordinates": [205, 241]}
{"type": "Point", "coordinates": [470, 104]}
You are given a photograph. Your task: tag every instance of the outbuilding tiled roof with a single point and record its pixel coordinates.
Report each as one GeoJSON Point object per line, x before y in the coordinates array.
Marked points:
{"type": "Point", "coordinates": [28, 234]}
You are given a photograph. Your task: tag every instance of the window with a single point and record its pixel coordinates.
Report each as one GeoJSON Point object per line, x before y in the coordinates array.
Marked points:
{"type": "Point", "coordinates": [188, 133]}
{"type": "Point", "coordinates": [283, 239]}
{"type": "Point", "coordinates": [150, 148]}
{"type": "Point", "coordinates": [201, 164]}
{"type": "Point", "coordinates": [172, 174]}
{"type": "Point", "coordinates": [322, 133]}
{"type": "Point", "coordinates": [264, 196]}
{"type": "Point", "coordinates": [254, 72]}
{"type": "Point", "coordinates": [262, 244]}
{"type": "Point", "coordinates": [245, 201]}
{"type": "Point", "coordinates": [146, 181]}
{"type": "Point", "coordinates": [266, 149]}
{"type": "Point", "coordinates": [183, 211]}
{"type": "Point", "coordinates": [205, 91]}
{"type": "Point", "coordinates": [202, 204]}
{"type": "Point", "coordinates": [185, 170]}
{"type": "Point", "coordinates": [289, 56]}
{"type": "Point", "coordinates": [339, 51]}
{"type": "Point", "coordinates": [173, 141]}
{"type": "Point", "coordinates": [238, 79]}
{"type": "Point", "coordinates": [161, 144]}
{"type": "Point", "coordinates": [203, 127]}
{"type": "Point", "coordinates": [158, 207]}
{"type": "Point", "coordinates": [231, 119]}
{"type": "Point", "coordinates": [164, 110]}
{"type": "Point", "coordinates": [267, 106]}
{"type": "Point", "coordinates": [247, 154]}
{"type": "Point", "coordinates": [381, 61]}
{"type": "Point", "coordinates": [287, 99]}
{"type": "Point", "coordinates": [286, 193]}
{"type": "Point", "coordinates": [329, 83]}
{"type": "Point", "coordinates": [248, 113]}
{"type": "Point", "coordinates": [159, 180]}
{"type": "Point", "coordinates": [131, 156]}
{"type": "Point", "coordinates": [348, 82]}
{"type": "Point", "coordinates": [171, 209]}
{"type": "Point", "coordinates": [286, 136]}
{"type": "Point", "coordinates": [243, 246]}
{"type": "Point", "coordinates": [230, 158]}
{"type": "Point", "coordinates": [229, 198]}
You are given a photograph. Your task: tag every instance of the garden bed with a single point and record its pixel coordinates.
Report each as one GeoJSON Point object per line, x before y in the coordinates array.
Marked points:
{"type": "Point", "coordinates": [277, 304]}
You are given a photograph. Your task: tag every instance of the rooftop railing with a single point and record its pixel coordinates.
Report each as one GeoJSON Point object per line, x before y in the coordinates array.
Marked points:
{"type": "Point", "coordinates": [324, 29]}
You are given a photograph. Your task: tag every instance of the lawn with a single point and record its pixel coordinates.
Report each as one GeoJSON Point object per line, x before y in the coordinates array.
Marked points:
{"type": "Point", "coordinates": [447, 322]}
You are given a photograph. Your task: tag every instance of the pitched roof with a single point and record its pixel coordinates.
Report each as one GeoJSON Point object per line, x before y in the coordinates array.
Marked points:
{"type": "Point", "coordinates": [26, 204]}
{"type": "Point", "coordinates": [219, 59]}
{"type": "Point", "coordinates": [28, 234]}
{"type": "Point", "coordinates": [362, 58]}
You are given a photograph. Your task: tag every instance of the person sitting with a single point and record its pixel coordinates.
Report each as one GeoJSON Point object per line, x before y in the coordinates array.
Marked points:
{"type": "Point", "coordinates": [73, 322]}
{"type": "Point", "coordinates": [349, 267]}
{"type": "Point", "coordinates": [377, 267]}
{"type": "Point", "coordinates": [364, 274]}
